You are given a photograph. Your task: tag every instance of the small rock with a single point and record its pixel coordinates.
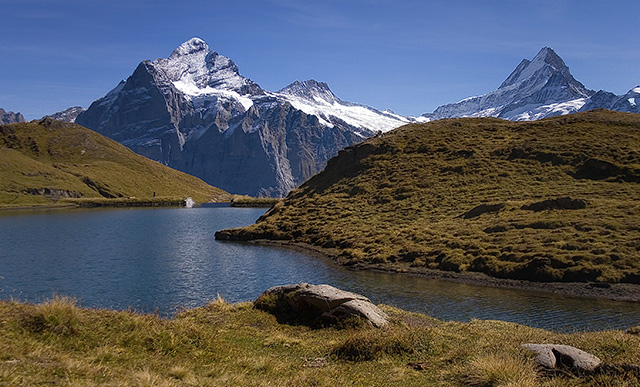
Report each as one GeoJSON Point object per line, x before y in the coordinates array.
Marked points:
{"type": "Point", "coordinates": [315, 362]}
{"type": "Point", "coordinates": [554, 356]}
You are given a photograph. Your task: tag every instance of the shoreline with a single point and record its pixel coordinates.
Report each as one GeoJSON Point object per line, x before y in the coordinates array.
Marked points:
{"type": "Point", "coordinates": [624, 292]}
{"type": "Point", "coordinates": [113, 203]}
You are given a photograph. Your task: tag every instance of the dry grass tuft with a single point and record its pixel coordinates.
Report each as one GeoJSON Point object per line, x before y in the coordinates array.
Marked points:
{"type": "Point", "coordinates": [493, 370]}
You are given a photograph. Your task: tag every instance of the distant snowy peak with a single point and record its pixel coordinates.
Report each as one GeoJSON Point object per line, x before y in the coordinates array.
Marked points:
{"type": "Point", "coordinates": [196, 70]}
{"type": "Point", "coordinates": [537, 88]}
{"type": "Point", "coordinates": [311, 90]}
{"type": "Point", "coordinates": [545, 59]}
{"type": "Point", "coordinates": [191, 46]}
{"type": "Point", "coordinates": [68, 115]}
{"type": "Point", "coordinates": [316, 98]}
{"type": "Point", "coordinates": [633, 96]}
{"type": "Point", "coordinates": [629, 102]}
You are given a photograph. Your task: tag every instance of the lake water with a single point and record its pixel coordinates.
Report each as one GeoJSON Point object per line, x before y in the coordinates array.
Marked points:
{"type": "Point", "coordinates": [163, 260]}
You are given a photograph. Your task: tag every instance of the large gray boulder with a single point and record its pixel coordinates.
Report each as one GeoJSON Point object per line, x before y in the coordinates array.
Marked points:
{"type": "Point", "coordinates": [557, 356]}
{"type": "Point", "coordinates": [319, 305]}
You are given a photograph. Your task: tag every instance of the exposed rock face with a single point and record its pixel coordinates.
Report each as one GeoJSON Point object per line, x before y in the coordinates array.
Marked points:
{"type": "Point", "coordinates": [194, 112]}
{"type": "Point", "coordinates": [68, 115]}
{"type": "Point", "coordinates": [552, 356]}
{"type": "Point", "coordinates": [319, 304]}
{"type": "Point", "coordinates": [10, 117]}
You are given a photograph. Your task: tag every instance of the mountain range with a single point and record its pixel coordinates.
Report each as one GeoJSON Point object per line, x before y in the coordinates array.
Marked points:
{"type": "Point", "coordinates": [193, 111]}
{"type": "Point", "coordinates": [538, 88]}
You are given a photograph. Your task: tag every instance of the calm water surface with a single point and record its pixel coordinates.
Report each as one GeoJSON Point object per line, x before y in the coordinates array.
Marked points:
{"type": "Point", "coordinates": [167, 259]}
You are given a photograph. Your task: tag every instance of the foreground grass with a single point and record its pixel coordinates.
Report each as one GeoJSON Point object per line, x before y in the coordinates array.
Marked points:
{"type": "Point", "coordinates": [57, 343]}
{"type": "Point", "coordinates": [406, 200]}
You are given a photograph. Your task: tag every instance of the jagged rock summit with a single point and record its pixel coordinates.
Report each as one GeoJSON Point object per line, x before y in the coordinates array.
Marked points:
{"type": "Point", "coordinates": [537, 88]}
{"type": "Point", "coordinates": [10, 117]}
{"type": "Point", "coordinates": [193, 111]}
{"type": "Point", "coordinates": [67, 115]}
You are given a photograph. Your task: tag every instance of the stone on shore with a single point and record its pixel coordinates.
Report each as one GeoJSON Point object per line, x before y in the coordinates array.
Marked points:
{"type": "Point", "coordinates": [556, 356]}
{"type": "Point", "coordinates": [319, 305]}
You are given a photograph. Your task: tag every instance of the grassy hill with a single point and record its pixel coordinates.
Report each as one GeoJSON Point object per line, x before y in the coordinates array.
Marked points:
{"type": "Point", "coordinates": [551, 200]}
{"type": "Point", "coordinates": [50, 162]}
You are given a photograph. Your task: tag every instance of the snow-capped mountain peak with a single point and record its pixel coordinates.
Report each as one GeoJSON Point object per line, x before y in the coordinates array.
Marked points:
{"type": "Point", "coordinates": [537, 88]}
{"type": "Point", "coordinates": [316, 98]}
{"type": "Point", "coordinates": [197, 71]}
{"type": "Point", "coordinates": [545, 59]}
{"type": "Point", "coordinates": [191, 46]}
{"type": "Point", "coordinates": [194, 111]}
{"type": "Point", "coordinates": [310, 90]}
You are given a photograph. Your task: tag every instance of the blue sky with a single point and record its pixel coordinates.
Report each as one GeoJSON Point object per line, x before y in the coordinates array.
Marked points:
{"type": "Point", "coordinates": [407, 56]}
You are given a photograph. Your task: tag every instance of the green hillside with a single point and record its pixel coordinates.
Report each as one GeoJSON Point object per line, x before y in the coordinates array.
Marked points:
{"type": "Point", "coordinates": [551, 200]}
{"type": "Point", "coordinates": [51, 162]}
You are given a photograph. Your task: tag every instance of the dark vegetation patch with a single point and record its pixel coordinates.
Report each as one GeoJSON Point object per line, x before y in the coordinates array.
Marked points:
{"type": "Point", "coordinates": [535, 204]}
{"type": "Point", "coordinates": [565, 203]}
{"type": "Point", "coordinates": [482, 209]}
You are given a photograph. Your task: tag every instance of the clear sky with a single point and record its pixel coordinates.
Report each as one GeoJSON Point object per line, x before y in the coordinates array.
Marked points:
{"type": "Point", "coordinates": [407, 56]}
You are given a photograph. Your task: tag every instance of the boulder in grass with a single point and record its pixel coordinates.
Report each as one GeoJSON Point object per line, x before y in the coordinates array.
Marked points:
{"type": "Point", "coordinates": [556, 356]}
{"type": "Point", "coordinates": [318, 305]}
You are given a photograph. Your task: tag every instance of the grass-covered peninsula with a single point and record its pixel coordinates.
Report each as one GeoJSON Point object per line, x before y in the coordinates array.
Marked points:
{"type": "Point", "coordinates": [553, 200]}
{"type": "Point", "coordinates": [49, 163]}
{"type": "Point", "coordinates": [58, 343]}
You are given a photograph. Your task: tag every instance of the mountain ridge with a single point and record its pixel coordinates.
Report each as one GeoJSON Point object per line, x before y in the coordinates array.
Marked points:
{"type": "Point", "coordinates": [194, 111]}
{"type": "Point", "coordinates": [523, 96]}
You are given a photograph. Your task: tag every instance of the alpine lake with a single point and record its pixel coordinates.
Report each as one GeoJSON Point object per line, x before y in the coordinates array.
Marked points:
{"type": "Point", "coordinates": [167, 260]}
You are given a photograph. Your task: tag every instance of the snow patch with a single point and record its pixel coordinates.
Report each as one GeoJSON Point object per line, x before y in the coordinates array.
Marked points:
{"type": "Point", "coordinates": [189, 88]}
{"type": "Point", "coordinates": [554, 109]}
{"type": "Point", "coordinates": [359, 116]}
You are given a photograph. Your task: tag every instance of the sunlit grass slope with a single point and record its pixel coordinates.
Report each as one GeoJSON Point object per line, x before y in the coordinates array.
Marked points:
{"type": "Point", "coordinates": [552, 200]}
{"type": "Point", "coordinates": [47, 162]}
{"type": "Point", "coordinates": [57, 343]}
